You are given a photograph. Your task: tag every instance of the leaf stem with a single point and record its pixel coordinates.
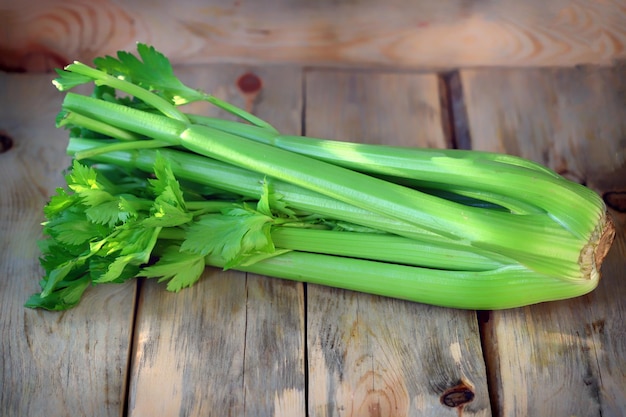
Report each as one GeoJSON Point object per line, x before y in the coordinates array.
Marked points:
{"type": "Point", "coordinates": [234, 110]}
{"type": "Point", "coordinates": [69, 119]}
{"type": "Point", "coordinates": [120, 146]}
{"type": "Point", "coordinates": [102, 78]}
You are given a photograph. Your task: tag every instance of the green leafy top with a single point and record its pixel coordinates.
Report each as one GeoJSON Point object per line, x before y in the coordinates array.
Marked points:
{"type": "Point", "coordinates": [179, 268]}
{"type": "Point", "coordinates": [150, 81]}
{"type": "Point", "coordinates": [153, 72]}
{"type": "Point", "coordinates": [108, 225]}
{"type": "Point", "coordinates": [235, 234]}
{"type": "Point", "coordinates": [92, 234]}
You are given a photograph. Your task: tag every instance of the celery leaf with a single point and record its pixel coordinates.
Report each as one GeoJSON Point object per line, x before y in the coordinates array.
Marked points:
{"type": "Point", "coordinates": [169, 205]}
{"type": "Point", "coordinates": [60, 202]}
{"type": "Point", "coordinates": [166, 185]}
{"type": "Point", "coordinates": [271, 203]}
{"type": "Point", "coordinates": [152, 72]}
{"type": "Point", "coordinates": [232, 235]}
{"type": "Point", "coordinates": [182, 269]}
{"type": "Point", "coordinates": [62, 298]}
{"type": "Point", "coordinates": [73, 227]}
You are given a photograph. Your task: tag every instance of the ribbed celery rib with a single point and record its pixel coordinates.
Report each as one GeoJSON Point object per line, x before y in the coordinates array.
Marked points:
{"type": "Point", "coordinates": [506, 287]}
{"type": "Point", "coordinates": [518, 179]}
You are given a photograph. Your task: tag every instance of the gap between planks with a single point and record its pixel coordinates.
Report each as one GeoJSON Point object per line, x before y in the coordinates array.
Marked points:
{"type": "Point", "coordinates": [457, 130]}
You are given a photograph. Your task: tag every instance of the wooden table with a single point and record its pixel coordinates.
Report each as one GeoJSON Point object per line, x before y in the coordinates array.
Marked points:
{"type": "Point", "coordinates": [238, 344]}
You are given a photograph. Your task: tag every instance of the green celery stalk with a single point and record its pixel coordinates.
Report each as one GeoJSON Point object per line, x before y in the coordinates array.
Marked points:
{"type": "Point", "coordinates": [248, 184]}
{"type": "Point", "coordinates": [510, 181]}
{"type": "Point", "coordinates": [539, 241]}
{"type": "Point", "coordinates": [69, 119]}
{"type": "Point", "coordinates": [506, 287]}
{"type": "Point", "coordinates": [304, 237]}
{"type": "Point", "coordinates": [386, 248]}
{"type": "Point", "coordinates": [102, 78]}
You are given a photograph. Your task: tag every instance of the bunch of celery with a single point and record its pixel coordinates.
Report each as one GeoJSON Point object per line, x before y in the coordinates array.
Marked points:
{"type": "Point", "coordinates": [162, 193]}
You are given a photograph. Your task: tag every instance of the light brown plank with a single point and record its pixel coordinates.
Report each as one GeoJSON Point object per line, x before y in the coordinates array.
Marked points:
{"type": "Point", "coordinates": [232, 344]}
{"type": "Point", "coordinates": [372, 355]}
{"type": "Point", "coordinates": [562, 358]}
{"type": "Point", "coordinates": [399, 33]}
{"type": "Point", "coordinates": [51, 363]}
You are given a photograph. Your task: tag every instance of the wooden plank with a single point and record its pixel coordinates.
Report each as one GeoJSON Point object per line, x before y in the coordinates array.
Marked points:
{"type": "Point", "coordinates": [562, 358]}
{"type": "Point", "coordinates": [605, 330]}
{"type": "Point", "coordinates": [372, 355]}
{"type": "Point", "coordinates": [51, 363]}
{"type": "Point", "coordinates": [568, 119]}
{"type": "Point", "coordinates": [274, 373]}
{"type": "Point", "coordinates": [234, 343]}
{"type": "Point", "coordinates": [190, 349]}
{"type": "Point", "coordinates": [399, 33]}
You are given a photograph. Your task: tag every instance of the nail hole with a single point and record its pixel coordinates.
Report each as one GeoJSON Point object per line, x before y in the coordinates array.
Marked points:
{"type": "Point", "coordinates": [249, 83]}
{"type": "Point", "coordinates": [457, 396]}
{"type": "Point", "coordinates": [6, 142]}
{"type": "Point", "coordinates": [616, 200]}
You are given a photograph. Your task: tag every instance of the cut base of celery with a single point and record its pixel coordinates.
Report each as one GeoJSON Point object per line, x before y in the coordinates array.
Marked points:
{"type": "Point", "coordinates": [593, 254]}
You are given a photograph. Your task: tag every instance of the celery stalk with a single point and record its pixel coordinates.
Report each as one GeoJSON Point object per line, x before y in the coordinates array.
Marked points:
{"type": "Point", "coordinates": [546, 243]}
{"type": "Point", "coordinates": [386, 248]}
{"type": "Point", "coordinates": [506, 287]}
{"type": "Point", "coordinates": [453, 228]}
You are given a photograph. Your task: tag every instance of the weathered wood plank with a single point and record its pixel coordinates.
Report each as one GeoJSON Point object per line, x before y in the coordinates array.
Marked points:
{"type": "Point", "coordinates": [372, 355]}
{"type": "Point", "coordinates": [274, 383]}
{"type": "Point", "coordinates": [234, 343]}
{"type": "Point", "coordinates": [190, 349]}
{"type": "Point", "coordinates": [51, 363]}
{"type": "Point", "coordinates": [571, 120]}
{"type": "Point", "coordinates": [562, 358]}
{"type": "Point", "coordinates": [605, 329]}
{"type": "Point", "coordinates": [399, 33]}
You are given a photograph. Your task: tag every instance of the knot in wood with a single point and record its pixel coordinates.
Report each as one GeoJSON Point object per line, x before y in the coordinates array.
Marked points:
{"type": "Point", "coordinates": [616, 200]}
{"type": "Point", "coordinates": [6, 142]}
{"type": "Point", "coordinates": [457, 396]}
{"type": "Point", "coordinates": [249, 83]}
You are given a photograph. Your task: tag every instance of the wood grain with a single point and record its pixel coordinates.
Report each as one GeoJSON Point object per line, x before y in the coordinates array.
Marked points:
{"type": "Point", "coordinates": [71, 363]}
{"type": "Point", "coordinates": [571, 120]}
{"type": "Point", "coordinates": [372, 355]}
{"type": "Point", "coordinates": [40, 35]}
{"type": "Point", "coordinates": [605, 329]}
{"type": "Point", "coordinates": [274, 374]}
{"type": "Point", "coordinates": [232, 344]}
{"type": "Point", "coordinates": [235, 344]}
{"type": "Point", "coordinates": [562, 358]}
{"type": "Point", "coordinates": [189, 354]}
